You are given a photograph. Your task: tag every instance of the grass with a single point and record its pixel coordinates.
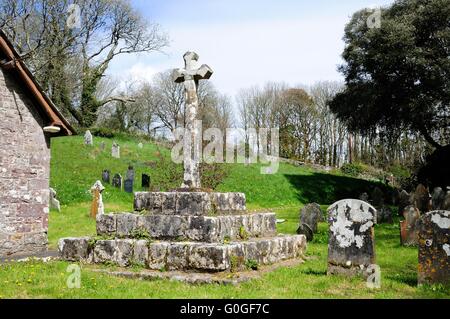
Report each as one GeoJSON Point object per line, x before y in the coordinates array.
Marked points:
{"type": "Point", "coordinates": [76, 167]}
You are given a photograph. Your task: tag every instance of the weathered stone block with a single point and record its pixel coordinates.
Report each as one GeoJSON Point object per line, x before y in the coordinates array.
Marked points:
{"type": "Point", "coordinates": [209, 257]}
{"type": "Point", "coordinates": [140, 253]}
{"type": "Point", "coordinates": [104, 251]}
{"type": "Point", "coordinates": [124, 252]}
{"type": "Point", "coordinates": [106, 224]}
{"type": "Point", "coordinates": [127, 223]}
{"type": "Point", "coordinates": [74, 249]}
{"type": "Point", "coordinates": [177, 256]}
{"type": "Point", "coordinates": [191, 203]}
{"type": "Point", "coordinates": [157, 255]}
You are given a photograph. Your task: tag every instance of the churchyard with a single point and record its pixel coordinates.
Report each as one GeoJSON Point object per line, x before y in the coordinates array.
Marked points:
{"type": "Point", "coordinates": [75, 168]}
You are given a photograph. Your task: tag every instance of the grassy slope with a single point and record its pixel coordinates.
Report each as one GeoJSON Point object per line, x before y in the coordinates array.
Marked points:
{"type": "Point", "coordinates": [75, 168]}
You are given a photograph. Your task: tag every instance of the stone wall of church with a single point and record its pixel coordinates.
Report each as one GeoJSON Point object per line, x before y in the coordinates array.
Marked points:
{"type": "Point", "coordinates": [24, 171]}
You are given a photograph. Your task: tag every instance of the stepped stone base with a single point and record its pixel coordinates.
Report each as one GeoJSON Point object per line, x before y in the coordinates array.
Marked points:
{"type": "Point", "coordinates": [191, 228]}
{"type": "Point", "coordinates": [189, 203]}
{"type": "Point", "coordinates": [183, 255]}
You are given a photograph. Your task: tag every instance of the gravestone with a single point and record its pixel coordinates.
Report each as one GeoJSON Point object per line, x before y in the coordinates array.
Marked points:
{"type": "Point", "coordinates": [437, 199]}
{"type": "Point", "coordinates": [54, 203]}
{"type": "Point", "coordinates": [364, 197]}
{"type": "Point", "coordinates": [97, 200]}
{"type": "Point", "coordinates": [447, 200]}
{"type": "Point", "coordinates": [130, 173]}
{"type": "Point", "coordinates": [311, 214]}
{"type": "Point", "coordinates": [377, 197]}
{"type": "Point", "coordinates": [128, 185]}
{"type": "Point", "coordinates": [115, 150]}
{"type": "Point", "coordinates": [145, 181]}
{"type": "Point", "coordinates": [434, 248]}
{"type": "Point", "coordinates": [422, 199]}
{"type": "Point", "coordinates": [106, 176]}
{"type": "Point", "coordinates": [140, 145]}
{"type": "Point", "coordinates": [351, 242]}
{"type": "Point", "coordinates": [88, 138]}
{"type": "Point", "coordinates": [117, 181]}
{"type": "Point", "coordinates": [404, 200]}
{"type": "Point", "coordinates": [102, 146]}
{"type": "Point", "coordinates": [408, 227]}
{"type": "Point", "coordinates": [305, 229]}
{"type": "Point", "coordinates": [190, 76]}
{"type": "Point", "coordinates": [384, 215]}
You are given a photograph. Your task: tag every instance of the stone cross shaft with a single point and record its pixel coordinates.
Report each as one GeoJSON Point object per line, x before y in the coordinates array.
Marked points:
{"type": "Point", "coordinates": [190, 75]}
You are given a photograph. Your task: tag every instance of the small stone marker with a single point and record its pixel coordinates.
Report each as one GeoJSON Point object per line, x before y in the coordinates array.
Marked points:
{"type": "Point", "coordinates": [102, 146]}
{"type": "Point", "coordinates": [97, 201]}
{"type": "Point", "coordinates": [54, 203]}
{"type": "Point", "coordinates": [88, 138]}
{"type": "Point", "coordinates": [115, 150]}
{"type": "Point", "coordinates": [422, 199]}
{"type": "Point", "coordinates": [117, 181]}
{"type": "Point", "coordinates": [364, 197]}
{"type": "Point", "coordinates": [351, 243]}
{"type": "Point", "coordinates": [447, 200]}
{"type": "Point", "coordinates": [310, 215]}
{"type": "Point", "coordinates": [145, 181]}
{"type": "Point", "coordinates": [434, 248]}
{"type": "Point", "coordinates": [408, 227]}
{"type": "Point", "coordinates": [128, 185]}
{"type": "Point", "coordinates": [404, 200]}
{"type": "Point", "coordinates": [437, 199]}
{"type": "Point", "coordinates": [106, 176]}
{"type": "Point", "coordinates": [140, 145]}
{"type": "Point", "coordinates": [384, 215]}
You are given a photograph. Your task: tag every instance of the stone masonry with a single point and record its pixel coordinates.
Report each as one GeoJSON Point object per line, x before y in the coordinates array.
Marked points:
{"type": "Point", "coordinates": [24, 172]}
{"type": "Point", "coordinates": [180, 231]}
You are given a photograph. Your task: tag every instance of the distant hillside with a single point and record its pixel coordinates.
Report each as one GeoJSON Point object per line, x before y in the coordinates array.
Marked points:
{"type": "Point", "coordinates": [75, 168]}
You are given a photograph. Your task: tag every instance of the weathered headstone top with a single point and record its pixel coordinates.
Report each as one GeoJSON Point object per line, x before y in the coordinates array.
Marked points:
{"type": "Point", "coordinates": [311, 214]}
{"type": "Point", "coordinates": [88, 140]}
{"type": "Point", "coordinates": [434, 248]}
{"type": "Point", "coordinates": [351, 244]}
{"type": "Point", "coordinates": [437, 198]}
{"type": "Point", "coordinates": [190, 75]}
{"type": "Point", "coordinates": [115, 150]}
{"type": "Point", "coordinates": [408, 227]}
{"type": "Point", "coordinates": [422, 198]}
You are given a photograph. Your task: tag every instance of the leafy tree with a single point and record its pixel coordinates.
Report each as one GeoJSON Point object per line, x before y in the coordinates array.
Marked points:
{"type": "Point", "coordinates": [397, 75]}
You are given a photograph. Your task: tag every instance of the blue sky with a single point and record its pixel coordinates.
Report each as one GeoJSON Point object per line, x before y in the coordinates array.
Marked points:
{"type": "Point", "coordinates": [248, 42]}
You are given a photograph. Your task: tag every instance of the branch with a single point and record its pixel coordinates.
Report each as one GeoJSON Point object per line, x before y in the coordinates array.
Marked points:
{"type": "Point", "coordinates": [117, 99]}
{"type": "Point", "coordinates": [428, 137]}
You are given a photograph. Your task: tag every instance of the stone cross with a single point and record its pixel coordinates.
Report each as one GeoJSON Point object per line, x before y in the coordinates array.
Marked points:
{"type": "Point", "coordinates": [190, 75]}
{"type": "Point", "coordinates": [97, 201]}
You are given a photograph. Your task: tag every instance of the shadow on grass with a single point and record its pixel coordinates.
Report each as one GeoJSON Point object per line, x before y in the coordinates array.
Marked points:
{"type": "Point", "coordinates": [326, 188]}
{"type": "Point", "coordinates": [310, 271]}
{"type": "Point", "coordinates": [407, 279]}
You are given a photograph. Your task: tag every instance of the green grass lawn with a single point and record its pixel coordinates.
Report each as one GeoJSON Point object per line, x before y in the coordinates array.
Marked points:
{"type": "Point", "coordinates": [76, 167]}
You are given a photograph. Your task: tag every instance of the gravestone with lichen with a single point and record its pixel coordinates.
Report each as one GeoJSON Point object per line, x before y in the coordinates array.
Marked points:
{"type": "Point", "coordinates": [351, 243]}
{"type": "Point", "coordinates": [189, 229]}
{"type": "Point", "coordinates": [434, 248]}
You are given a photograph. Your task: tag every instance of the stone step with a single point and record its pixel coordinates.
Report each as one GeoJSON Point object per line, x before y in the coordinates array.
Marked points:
{"type": "Point", "coordinates": [189, 203]}
{"type": "Point", "coordinates": [163, 255]}
{"type": "Point", "coordinates": [192, 228]}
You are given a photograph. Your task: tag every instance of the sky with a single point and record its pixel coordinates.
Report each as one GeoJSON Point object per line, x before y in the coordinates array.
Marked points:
{"type": "Point", "coordinates": [247, 42]}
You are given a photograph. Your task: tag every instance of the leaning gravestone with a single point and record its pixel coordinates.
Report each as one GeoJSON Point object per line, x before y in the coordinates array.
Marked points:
{"type": "Point", "coordinates": [422, 199]}
{"type": "Point", "coordinates": [128, 185]}
{"type": "Point", "coordinates": [351, 242]}
{"type": "Point", "coordinates": [54, 203]}
{"type": "Point", "coordinates": [437, 198]}
{"type": "Point", "coordinates": [145, 181]}
{"type": "Point", "coordinates": [311, 214]}
{"type": "Point", "coordinates": [408, 227]}
{"type": "Point", "coordinates": [106, 176]}
{"type": "Point", "coordinates": [88, 138]}
{"type": "Point", "coordinates": [434, 248]}
{"type": "Point", "coordinates": [117, 181]}
{"type": "Point", "coordinates": [115, 150]}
